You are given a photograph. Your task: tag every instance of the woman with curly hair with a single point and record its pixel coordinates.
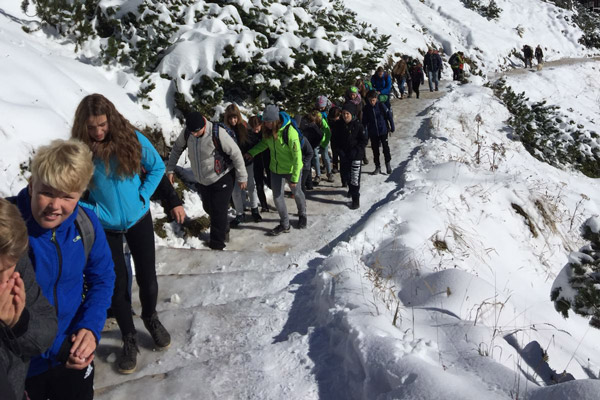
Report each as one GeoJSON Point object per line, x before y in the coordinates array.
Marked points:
{"type": "Point", "coordinates": [233, 120]}
{"type": "Point", "coordinates": [120, 195]}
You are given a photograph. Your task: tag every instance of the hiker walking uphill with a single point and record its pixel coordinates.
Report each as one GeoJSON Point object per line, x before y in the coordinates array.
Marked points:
{"type": "Point", "coordinates": [283, 141]}
{"type": "Point", "coordinates": [432, 63]}
{"type": "Point", "coordinates": [214, 155]}
{"type": "Point", "coordinates": [378, 122]}
{"type": "Point", "coordinates": [528, 55]}
{"type": "Point", "coordinates": [349, 139]}
{"type": "Point", "coordinates": [456, 61]}
{"type": "Point", "coordinates": [400, 74]}
{"type": "Point", "coordinates": [262, 174]}
{"type": "Point", "coordinates": [234, 121]}
{"type": "Point", "coordinates": [120, 196]}
{"type": "Point", "coordinates": [382, 83]}
{"type": "Point", "coordinates": [417, 77]}
{"type": "Point", "coordinates": [539, 55]}
{"type": "Point", "coordinates": [313, 134]}
{"type": "Point", "coordinates": [323, 105]}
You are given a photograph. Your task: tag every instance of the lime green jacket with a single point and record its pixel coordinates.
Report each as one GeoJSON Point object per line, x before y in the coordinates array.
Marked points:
{"type": "Point", "coordinates": [326, 132]}
{"type": "Point", "coordinates": [286, 158]}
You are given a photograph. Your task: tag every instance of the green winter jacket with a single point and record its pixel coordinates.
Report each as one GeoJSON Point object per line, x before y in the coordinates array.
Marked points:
{"type": "Point", "coordinates": [326, 132]}
{"type": "Point", "coordinates": [286, 158]}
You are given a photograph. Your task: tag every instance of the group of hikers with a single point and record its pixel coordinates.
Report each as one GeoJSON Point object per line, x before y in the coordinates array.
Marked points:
{"type": "Point", "coordinates": [64, 263]}
{"type": "Point", "coordinates": [528, 54]}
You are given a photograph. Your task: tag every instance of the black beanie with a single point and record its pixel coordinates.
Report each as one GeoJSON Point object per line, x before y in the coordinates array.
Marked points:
{"type": "Point", "coordinates": [194, 122]}
{"type": "Point", "coordinates": [351, 108]}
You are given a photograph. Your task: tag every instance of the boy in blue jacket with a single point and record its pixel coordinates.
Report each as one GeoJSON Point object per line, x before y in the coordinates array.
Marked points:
{"type": "Point", "coordinates": [378, 121]}
{"type": "Point", "coordinates": [73, 266]}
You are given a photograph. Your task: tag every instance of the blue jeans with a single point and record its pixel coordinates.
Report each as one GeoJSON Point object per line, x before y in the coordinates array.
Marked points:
{"type": "Point", "coordinates": [326, 160]}
{"type": "Point", "coordinates": [432, 76]}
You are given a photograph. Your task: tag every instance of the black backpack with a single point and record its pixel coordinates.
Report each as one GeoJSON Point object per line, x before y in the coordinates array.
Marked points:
{"type": "Point", "coordinates": [222, 159]}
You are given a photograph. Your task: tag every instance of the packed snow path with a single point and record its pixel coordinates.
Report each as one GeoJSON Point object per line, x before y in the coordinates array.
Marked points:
{"type": "Point", "coordinates": [242, 321]}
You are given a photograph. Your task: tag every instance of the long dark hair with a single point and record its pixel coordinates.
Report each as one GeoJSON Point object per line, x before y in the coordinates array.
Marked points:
{"type": "Point", "coordinates": [121, 141]}
{"type": "Point", "coordinates": [240, 128]}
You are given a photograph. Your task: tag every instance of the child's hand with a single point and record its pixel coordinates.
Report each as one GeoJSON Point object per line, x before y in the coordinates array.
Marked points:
{"type": "Point", "coordinates": [7, 304]}
{"type": "Point", "coordinates": [19, 297]}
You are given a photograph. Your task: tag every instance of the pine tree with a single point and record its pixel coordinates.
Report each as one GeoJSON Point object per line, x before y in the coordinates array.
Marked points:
{"type": "Point", "coordinates": [577, 287]}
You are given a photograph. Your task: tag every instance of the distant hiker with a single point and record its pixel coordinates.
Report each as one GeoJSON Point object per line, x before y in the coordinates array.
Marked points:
{"type": "Point", "coordinates": [217, 163]}
{"type": "Point", "coordinates": [528, 55]}
{"type": "Point", "coordinates": [73, 266]}
{"type": "Point", "coordinates": [417, 76]}
{"type": "Point", "coordinates": [282, 139]}
{"type": "Point", "coordinates": [378, 122]}
{"type": "Point", "coordinates": [120, 196]}
{"type": "Point", "coordinates": [432, 63]}
{"type": "Point", "coordinates": [323, 105]}
{"type": "Point", "coordinates": [233, 120]}
{"type": "Point", "coordinates": [349, 139]}
{"type": "Point", "coordinates": [311, 129]}
{"type": "Point", "coordinates": [457, 64]}
{"type": "Point", "coordinates": [400, 74]}
{"type": "Point", "coordinates": [539, 54]}
{"type": "Point", "coordinates": [27, 321]}
{"type": "Point", "coordinates": [335, 113]}
{"type": "Point", "coordinates": [382, 83]}
{"type": "Point", "coordinates": [262, 174]}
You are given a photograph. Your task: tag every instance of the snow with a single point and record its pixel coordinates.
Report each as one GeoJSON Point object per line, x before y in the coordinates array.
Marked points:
{"type": "Point", "coordinates": [436, 288]}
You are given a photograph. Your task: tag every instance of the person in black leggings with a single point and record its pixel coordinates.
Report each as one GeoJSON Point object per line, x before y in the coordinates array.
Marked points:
{"type": "Point", "coordinates": [261, 165]}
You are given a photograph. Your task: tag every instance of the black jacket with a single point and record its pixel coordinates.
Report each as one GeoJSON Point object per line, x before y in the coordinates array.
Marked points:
{"type": "Point", "coordinates": [311, 132]}
{"type": "Point", "coordinates": [349, 140]}
{"type": "Point", "coordinates": [432, 62]}
{"type": "Point", "coordinates": [31, 336]}
{"type": "Point", "coordinates": [166, 194]}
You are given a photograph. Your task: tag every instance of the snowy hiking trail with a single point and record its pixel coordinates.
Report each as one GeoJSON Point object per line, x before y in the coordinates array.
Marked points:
{"type": "Point", "coordinates": [248, 310]}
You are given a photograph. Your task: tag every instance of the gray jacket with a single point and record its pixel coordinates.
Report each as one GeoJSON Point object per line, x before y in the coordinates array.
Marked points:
{"type": "Point", "coordinates": [33, 333]}
{"type": "Point", "coordinates": [201, 151]}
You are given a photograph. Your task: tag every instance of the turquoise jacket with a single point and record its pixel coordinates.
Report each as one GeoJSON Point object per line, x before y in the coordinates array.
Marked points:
{"type": "Point", "coordinates": [120, 202]}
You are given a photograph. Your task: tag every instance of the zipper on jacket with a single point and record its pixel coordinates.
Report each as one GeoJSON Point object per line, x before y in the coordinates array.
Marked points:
{"type": "Point", "coordinates": [59, 255]}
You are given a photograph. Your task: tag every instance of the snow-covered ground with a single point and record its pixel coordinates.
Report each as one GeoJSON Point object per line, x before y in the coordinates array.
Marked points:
{"type": "Point", "coordinates": [435, 288]}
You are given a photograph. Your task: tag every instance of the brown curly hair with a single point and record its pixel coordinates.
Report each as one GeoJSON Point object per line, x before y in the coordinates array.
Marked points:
{"type": "Point", "coordinates": [121, 140]}
{"type": "Point", "coordinates": [240, 128]}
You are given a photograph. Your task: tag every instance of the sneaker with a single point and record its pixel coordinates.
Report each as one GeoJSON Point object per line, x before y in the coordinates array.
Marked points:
{"type": "Point", "coordinates": [218, 246]}
{"type": "Point", "coordinates": [316, 180]}
{"type": "Point", "coordinates": [365, 160]}
{"type": "Point", "coordinates": [334, 170]}
{"type": "Point", "coordinates": [344, 184]}
{"type": "Point", "coordinates": [377, 171]}
{"type": "Point", "coordinates": [255, 215]}
{"type": "Point", "coordinates": [330, 177]}
{"type": "Point", "coordinates": [278, 230]}
{"type": "Point", "coordinates": [159, 334]}
{"type": "Point", "coordinates": [237, 221]}
{"type": "Point", "coordinates": [388, 168]}
{"type": "Point", "coordinates": [264, 209]}
{"type": "Point", "coordinates": [128, 362]}
{"type": "Point", "coordinates": [302, 222]}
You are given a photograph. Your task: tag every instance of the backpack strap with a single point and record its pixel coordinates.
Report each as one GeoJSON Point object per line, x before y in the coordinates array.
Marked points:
{"type": "Point", "coordinates": [215, 136]}
{"type": "Point", "coordinates": [86, 230]}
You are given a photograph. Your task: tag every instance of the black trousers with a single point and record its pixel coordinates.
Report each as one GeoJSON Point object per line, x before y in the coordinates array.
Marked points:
{"type": "Point", "coordinates": [215, 201]}
{"type": "Point", "coordinates": [261, 167]}
{"type": "Point", "coordinates": [415, 86]}
{"type": "Point", "coordinates": [383, 141]}
{"type": "Point", "coordinates": [140, 239]}
{"type": "Point", "coordinates": [350, 171]}
{"type": "Point", "coordinates": [61, 383]}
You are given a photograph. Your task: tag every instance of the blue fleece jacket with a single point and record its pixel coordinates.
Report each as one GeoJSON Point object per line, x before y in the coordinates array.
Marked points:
{"type": "Point", "coordinates": [383, 85]}
{"type": "Point", "coordinates": [58, 258]}
{"type": "Point", "coordinates": [118, 201]}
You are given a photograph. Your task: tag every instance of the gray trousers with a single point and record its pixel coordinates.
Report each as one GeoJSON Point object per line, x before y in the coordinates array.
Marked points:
{"type": "Point", "coordinates": [238, 194]}
{"type": "Point", "coordinates": [277, 185]}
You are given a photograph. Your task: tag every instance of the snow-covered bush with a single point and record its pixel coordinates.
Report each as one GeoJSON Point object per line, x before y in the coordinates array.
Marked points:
{"type": "Point", "coordinates": [252, 51]}
{"type": "Point", "coordinates": [548, 134]}
{"type": "Point", "coordinates": [587, 20]}
{"type": "Point", "coordinates": [491, 11]}
{"type": "Point", "coordinates": [577, 286]}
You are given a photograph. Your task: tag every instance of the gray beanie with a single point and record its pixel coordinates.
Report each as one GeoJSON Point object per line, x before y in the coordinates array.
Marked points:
{"type": "Point", "coordinates": [271, 113]}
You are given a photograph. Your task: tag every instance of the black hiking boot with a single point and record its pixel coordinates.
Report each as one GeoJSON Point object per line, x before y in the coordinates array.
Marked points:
{"type": "Point", "coordinates": [355, 204]}
{"type": "Point", "coordinates": [365, 160]}
{"type": "Point", "coordinates": [128, 361]}
{"type": "Point", "coordinates": [302, 222]}
{"type": "Point", "coordinates": [388, 168]}
{"type": "Point", "coordinates": [255, 215]}
{"type": "Point", "coordinates": [377, 171]}
{"type": "Point", "coordinates": [159, 333]}
{"type": "Point", "coordinates": [237, 221]}
{"type": "Point", "coordinates": [278, 230]}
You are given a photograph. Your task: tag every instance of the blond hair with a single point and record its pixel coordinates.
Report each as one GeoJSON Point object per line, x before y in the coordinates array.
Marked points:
{"type": "Point", "coordinates": [13, 232]}
{"type": "Point", "coordinates": [64, 165]}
